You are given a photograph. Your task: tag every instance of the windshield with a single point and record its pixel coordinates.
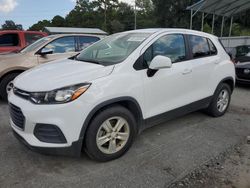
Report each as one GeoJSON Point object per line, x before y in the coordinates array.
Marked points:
{"type": "Point", "coordinates": [113, 49]}
{"type": "Point", "coordinates": [36, 44]}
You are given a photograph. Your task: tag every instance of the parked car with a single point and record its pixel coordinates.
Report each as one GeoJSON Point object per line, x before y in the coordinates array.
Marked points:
{"type": "Point", "coordinates": [241, 56]}
{"type": "Point", "coordinates": [14, 41]}
{"type": "Point", "coordinates": [116, 88]}
{"type": "Point", "coordinates": [243, 72]}
{"type": "Point", "coordinates": [42, 51]}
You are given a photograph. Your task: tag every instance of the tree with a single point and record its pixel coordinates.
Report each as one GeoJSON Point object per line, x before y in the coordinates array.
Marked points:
{"type": "Point", "coordinates": [39, 26]}
{"type": "Point", "coordinates": [10, 25]}
{"type": "Point", "coordinates": [58, 21]}
{"type": "Point", "coordinates": [172, 13]}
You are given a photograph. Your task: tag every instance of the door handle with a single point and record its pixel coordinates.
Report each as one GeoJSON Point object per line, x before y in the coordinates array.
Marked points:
{"type": "Point", "coordinates": [187, 71]}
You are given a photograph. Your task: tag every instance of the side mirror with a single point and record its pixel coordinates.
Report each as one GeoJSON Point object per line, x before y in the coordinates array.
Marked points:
{"type": "Point", "coordinates": [160, 62]}
{"type": "Point", "coordinates": [45, 51]}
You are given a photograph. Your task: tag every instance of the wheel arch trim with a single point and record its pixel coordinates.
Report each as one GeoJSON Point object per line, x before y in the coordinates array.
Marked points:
{"type": "Point", "coordinates": [107, 103]}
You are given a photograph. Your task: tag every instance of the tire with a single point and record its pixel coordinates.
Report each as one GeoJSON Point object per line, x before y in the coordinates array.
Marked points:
{"type": "Point", "coordinates": [4, 83]}
{"type": "Point", "coordinates": [216, 110]}
{"type": "Point", "coordinates": [96, 130]}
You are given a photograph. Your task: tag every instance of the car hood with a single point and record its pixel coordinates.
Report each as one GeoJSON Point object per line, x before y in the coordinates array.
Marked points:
{"type": "Point", "coordinates": [58, 74]}
{"type": "Point", "coordinates": [245, 65]}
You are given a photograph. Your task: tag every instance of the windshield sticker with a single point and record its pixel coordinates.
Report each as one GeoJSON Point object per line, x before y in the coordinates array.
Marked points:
{"type": "Point", "coordinates": [136, 39]}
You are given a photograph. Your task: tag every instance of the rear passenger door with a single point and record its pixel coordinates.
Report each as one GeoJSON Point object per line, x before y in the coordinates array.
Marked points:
{"type": "Point", "coordinates": [63, 47]}
{"type": "Point", "coordinates": [204, 60]}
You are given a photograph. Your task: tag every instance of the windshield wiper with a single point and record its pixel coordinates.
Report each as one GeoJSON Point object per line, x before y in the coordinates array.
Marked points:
{"type": "Point", "coordinates": [89, 61]}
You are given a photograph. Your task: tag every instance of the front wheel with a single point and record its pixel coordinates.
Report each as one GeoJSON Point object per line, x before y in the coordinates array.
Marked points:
{"type": "Point", "coordinates": [220, 101]}
{"type": "Point", "coordinates": [110, 134]}
{"type": "Point", "coordinates": [6, 85]}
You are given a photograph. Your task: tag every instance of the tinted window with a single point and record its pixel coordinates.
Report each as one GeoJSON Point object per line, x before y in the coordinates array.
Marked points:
{"type": "Point", "coordinates": [85, 41]}
{"type": "Point", "coordinates": [62, 45]}
{"type": "Point", "coordinates": [9, 40]}
{"type": "Point", "coordinates": [172, 46]}
{"type": "Point", "coordinates": [31, 38]}
{"type": "Point", "coordinates": [242, 51]}
{"type": "Point", "coordinates": [213, 50]}
{"type": "Point", "coordinates": [199, 46]}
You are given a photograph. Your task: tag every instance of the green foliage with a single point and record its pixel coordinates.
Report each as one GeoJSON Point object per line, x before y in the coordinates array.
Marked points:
{"type": "Point", "coordinates": [115, 16]}
{"type": "Point", "coordinates": [238, 30]}
{"type": "Point", "coordinates": [207, 28]}
{"type": "Point", "coordinates": [58, 21]}
{"type": "Point", "coordinates": [11, 25]}
{"type": "Point", "coordinates": [39, 26]}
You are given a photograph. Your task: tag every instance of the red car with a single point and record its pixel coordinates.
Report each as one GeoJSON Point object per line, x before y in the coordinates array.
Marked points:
{"type": "Point", "coordinates": [13, 41]}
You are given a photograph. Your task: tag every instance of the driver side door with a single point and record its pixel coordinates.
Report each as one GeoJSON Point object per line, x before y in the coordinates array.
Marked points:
{"type": "Point", "coordinates": [168, 88]}
{"type": "Point", "coordinates": [63, 47]}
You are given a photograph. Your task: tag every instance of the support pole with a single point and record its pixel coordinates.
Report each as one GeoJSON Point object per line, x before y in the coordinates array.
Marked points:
{"type": "Point", "coordinates": [135, 17]}
{"type": "Point", "coordinates": [191, 19]}
{"type": "Point", "coordinates": [213, 24]}
{"type": "Point", "coordinates": [222, 26]}
{"type": "Point", "coordinates": [202, 22]}
{"type": "Point", "coordinates": [231, 25]}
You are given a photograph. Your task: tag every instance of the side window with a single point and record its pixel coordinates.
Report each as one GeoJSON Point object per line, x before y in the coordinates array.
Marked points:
{"type": "Point", "coordinates": [31, 38]}
{"type": "Point", "coordinates": [199, 46]}
{"type": "Point", "coordinates": [172, 46]}
{"type": "Point", "coordinates": [85, 41]}
{"type": "Point", "coordinates": [62, 45]}
{"type": "Point", "coordinates": [9, 40]}
{"type": "Point", "coordinates": [213, 50]}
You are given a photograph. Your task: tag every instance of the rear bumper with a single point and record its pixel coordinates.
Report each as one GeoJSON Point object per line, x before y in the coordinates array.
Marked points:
{"type": "Point", "coordinates": [73, 151]}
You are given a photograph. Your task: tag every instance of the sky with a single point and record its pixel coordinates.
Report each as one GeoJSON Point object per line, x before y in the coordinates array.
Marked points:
{"type": "Point", "coordinates": [29, 12]}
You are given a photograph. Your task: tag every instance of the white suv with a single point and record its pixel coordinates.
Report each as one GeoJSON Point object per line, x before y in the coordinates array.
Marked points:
{"type": "Point", "coordinates": [99, 100]}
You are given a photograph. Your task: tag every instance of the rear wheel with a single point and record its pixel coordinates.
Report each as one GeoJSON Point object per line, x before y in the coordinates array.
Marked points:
{"type": "Point", "coordinates": [6, 85]}
{"type": "Point", "coordinates": [220, 101]}
{"type": "Point", "coordinates": [110, 134]}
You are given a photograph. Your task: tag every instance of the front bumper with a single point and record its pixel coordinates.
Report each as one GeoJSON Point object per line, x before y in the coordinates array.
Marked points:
{"type": "Point", "coordinates": [242, 81]}
{"type": "Point", "coordinates": [69, 118]}
{"type": "Point", "coordinates": [73, 150]}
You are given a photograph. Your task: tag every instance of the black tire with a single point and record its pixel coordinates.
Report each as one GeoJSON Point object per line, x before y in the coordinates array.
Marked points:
{"type": "Point", "coordinates": [212, 109]}
{"type": "Point", "coordinates": [91, 147]}
{"type": "Point", "coordinates": [5, 81]}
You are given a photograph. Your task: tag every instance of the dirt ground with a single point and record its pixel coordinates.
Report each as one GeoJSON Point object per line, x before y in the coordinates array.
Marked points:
{"type": "Point", "coordinates": [230, 170]}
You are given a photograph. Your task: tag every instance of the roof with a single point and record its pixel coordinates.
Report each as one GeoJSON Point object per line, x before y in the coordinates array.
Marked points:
{"type": "Point", "coordinates": [20, 31]}
{"type": "Point", "coordinates": [70, 30]}
{"type": "Point", "coordinates": [160, 30]}
{"type": "Point", "coordinates": [221, 7]}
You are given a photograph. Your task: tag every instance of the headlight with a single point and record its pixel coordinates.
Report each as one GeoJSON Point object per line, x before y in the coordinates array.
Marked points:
{"type": "Point", "coordinates": [59, 96]}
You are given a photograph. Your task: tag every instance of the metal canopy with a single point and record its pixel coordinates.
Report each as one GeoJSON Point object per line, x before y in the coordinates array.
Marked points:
{"type": "Point", "coordinates": [224, 8]}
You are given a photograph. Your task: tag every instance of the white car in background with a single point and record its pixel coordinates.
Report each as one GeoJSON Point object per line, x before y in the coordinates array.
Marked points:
{"type": "Point", "coordinates": [117, 87]}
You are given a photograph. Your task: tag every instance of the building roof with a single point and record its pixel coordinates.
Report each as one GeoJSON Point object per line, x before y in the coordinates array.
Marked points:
{"type": "Point", "coordinates": [71, 30]}
{"type": "Point", "coordinates": [221, 7]}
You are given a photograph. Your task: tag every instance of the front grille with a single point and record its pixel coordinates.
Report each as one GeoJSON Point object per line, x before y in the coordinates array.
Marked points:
{"type": "Point", "coordinates": [21, 93]}
{"type": "Point", "coordinates": [17, 116]}
{"type": "Point", "coordinates": [49, 134]}
{"type": "Point", "coordinates": [241, 74]}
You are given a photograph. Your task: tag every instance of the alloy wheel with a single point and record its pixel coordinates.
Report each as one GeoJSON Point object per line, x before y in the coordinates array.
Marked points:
{"type": "Point", "coordinates": [112, 135]}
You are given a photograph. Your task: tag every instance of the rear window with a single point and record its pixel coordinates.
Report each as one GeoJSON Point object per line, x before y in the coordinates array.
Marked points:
{"type": "Point", "coordinates": [199, 46]}
{"type": "Point", "coordinates": [31, 38]}
{"type": "Point", "coordinates": [242, 51]}
{"type": "Point", "coordinates": [9, 40]}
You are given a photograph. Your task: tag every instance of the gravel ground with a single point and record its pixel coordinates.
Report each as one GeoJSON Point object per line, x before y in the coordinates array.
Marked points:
{"type": "Point", "coordinates": [228, 170]}
{"type": "Point", "coordinates": [160, 157]}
